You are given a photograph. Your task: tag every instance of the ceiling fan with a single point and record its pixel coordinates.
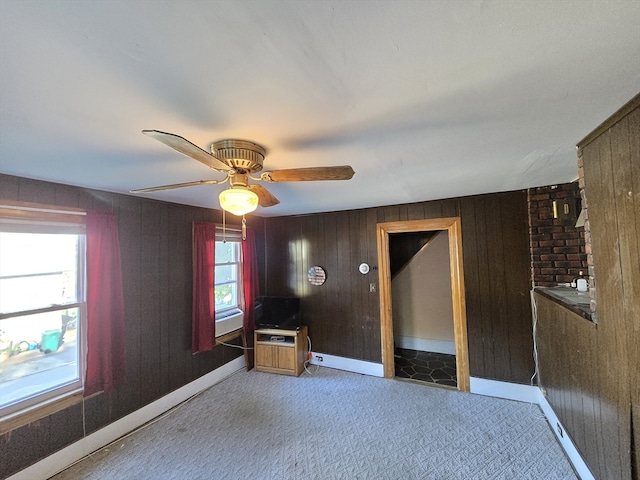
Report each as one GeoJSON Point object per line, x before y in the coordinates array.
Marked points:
{"type": "Point", "coordinates": [238, 160]}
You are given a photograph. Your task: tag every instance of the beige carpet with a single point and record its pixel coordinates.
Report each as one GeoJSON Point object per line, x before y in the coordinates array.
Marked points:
{"type": "Point", "coordinates": [334, 425]}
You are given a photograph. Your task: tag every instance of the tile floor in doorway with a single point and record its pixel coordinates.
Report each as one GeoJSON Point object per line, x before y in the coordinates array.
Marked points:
{"type": "Point", "coordinates": [438, 368]}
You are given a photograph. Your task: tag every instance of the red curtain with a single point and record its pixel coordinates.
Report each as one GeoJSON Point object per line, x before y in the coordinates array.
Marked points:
{"type": "Point", "coordinates": [250, 280]}
{"type": "Point", "coordinates": [203, 316]}
{"type": "Point", "coordinates": [106, 354]}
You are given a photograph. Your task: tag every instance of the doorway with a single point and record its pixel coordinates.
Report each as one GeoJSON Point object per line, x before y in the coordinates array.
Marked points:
{"type": "Point", "coordinates": [422, 308]}
{"type": "Point", "coordinates": [453, 228]}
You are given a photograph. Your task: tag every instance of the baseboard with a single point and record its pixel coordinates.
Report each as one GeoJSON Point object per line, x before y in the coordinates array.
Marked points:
{"type": "Point", "coordinates": [531, 394]}
{"type": "Point", "coordinates": [62, 459]}
{"type": "Point", "coordinates": [425, 344]}
{"type": "Point", "coordinates": [565, 440]}
{"type": "Point", "coordinates": [510, 391]}
{"type": "Point", "coordinates": [347, 364]}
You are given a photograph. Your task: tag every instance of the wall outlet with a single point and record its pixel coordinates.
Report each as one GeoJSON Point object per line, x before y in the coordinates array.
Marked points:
{"type": "Point", "coordinates": [318, 358]}
{"type": "Point", "coordinates": [372, 288]}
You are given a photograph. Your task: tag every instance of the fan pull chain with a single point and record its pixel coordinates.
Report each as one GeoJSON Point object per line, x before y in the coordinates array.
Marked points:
{"type": "Point", "coordinates": [244, 228]}
{"type": "Point", "coordinates": [224, 226]}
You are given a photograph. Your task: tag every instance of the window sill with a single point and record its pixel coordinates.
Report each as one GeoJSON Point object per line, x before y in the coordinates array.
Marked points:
{"type": "Point", "coordinates": [37, 412]}
{"type": "Point", "coordinates": [560, 295]}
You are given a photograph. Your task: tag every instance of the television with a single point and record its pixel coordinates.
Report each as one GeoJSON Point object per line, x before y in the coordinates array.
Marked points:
{"type": "Point", "coordinates": [278, 312]}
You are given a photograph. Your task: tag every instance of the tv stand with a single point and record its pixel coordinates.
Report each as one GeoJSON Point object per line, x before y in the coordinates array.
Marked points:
{"type": "Point", "coordinates": [280, 351]}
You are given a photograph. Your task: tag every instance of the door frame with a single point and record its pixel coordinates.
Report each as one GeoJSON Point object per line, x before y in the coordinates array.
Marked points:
{"type": "Point", "coordinates": [452, 226]}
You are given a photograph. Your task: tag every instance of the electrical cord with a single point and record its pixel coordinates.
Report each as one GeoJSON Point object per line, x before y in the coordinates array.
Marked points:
{"type": "Point", "coordinates": [536, 370]}
{"type": "Point", "coordinates": [308, 359]}
{"type": "Point", "coordinates": [534, 315]}
{"type": "Point", "coordinates": [234, 346]}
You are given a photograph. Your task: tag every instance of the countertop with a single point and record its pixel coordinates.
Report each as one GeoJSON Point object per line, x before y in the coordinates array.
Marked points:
{"type": "Point", "coordinates": [577, 302]}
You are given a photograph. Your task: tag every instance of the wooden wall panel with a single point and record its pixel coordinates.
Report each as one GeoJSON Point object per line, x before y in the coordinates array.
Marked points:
{"type": "Point", "coordinates": [155, 241]}
{"type": "Point", "coordinates": [633, 286]}
{"type": "Point", "coordinates": [564, 342]}
{"type": "Point", "coordinates": [371, 316]}
{"type": "Point", "coordinates": [473, 285]}
{"type": "Point", "coordinates": [149, 264]}
{"type": "Point", "coordinates": [515, 254]}
{"type": "Point", "coordinates": [591, 372]}
{"type": "Point", "coordinates": [344, 316]}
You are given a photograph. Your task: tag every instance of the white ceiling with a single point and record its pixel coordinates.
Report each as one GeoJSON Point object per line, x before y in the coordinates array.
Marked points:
{"type": "Point", "coordinates": [425, 99]}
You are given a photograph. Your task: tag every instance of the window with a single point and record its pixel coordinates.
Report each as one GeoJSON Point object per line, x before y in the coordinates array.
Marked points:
{"type": "Point", "coordinates": [228, 275]}
{"type": "Point", "coordinates": [41, 309]}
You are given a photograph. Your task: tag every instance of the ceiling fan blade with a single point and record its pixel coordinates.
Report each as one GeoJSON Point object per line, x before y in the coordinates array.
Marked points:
{"type": "Point", "coordinates": [344, 172]}
{"type": "Point", "coordinates": [187, 148]}
{"type": "Point", "coordinates": [265, 197]}
{"type": "Point", "coordinates": [176, 185]}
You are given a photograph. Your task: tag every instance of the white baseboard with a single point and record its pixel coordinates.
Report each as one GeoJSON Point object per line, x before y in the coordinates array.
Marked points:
{"type": "Point", "coordinates": [510, 391]}
{"type": "Point", "coordinates": [62, 459]}
{"type": "Point", "coordinates": [531, 394]}
{"type": "Point", "coordinates": [567, 444]}
{"type": "Point", "coordinates": [425, 344]}
{"type": "Point", "coordinates": [348, 364]}
{"type": "Point", "coordinates": [478, 386]}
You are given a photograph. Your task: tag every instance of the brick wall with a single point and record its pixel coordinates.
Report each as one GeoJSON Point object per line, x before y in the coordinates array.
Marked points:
{"type": "Point", "coordinates": [558, 251]}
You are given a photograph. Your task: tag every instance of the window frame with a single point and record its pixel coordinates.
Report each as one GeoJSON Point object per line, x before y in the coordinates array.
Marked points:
{"type": "Point", "coordinates": [26, 217]}
{"type": "Point", "coordinates": [226, 235]}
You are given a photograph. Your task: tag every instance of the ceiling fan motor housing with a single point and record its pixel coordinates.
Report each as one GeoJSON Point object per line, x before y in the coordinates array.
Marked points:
{"type": "Point", "coordinates": [243, 156]}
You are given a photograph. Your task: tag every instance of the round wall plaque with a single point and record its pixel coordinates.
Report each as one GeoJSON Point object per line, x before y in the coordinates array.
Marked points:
{"type": "Point", "coordinates": [316, 275]}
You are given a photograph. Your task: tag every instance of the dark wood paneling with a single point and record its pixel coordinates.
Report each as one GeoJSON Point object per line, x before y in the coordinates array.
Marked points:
{"type": "Point", "coordinates": [565, 341]}
{"type": "Point", "coordinates": [150, 263]}
{"type": "Point", "coordinates": [344, 317]}
{"type": "Point", "coordinates": [515, 251]}
{"type": "Point", "coordinates": [633, 288]}
{"type": "Point", "coordinates": [155, 242]}
{"type": "Point", "coordinates": [497, 278]}
{"type": "Point", "coordinates": [591, 372]}
{"type": "Point", "coordinates": [473, 284]}
{"type": "Point", "coordinates": [130, 226]}
{"type": "Point", "coordinates": [605, 239]}
{"type": "Point", "coordinates": [371, 308]}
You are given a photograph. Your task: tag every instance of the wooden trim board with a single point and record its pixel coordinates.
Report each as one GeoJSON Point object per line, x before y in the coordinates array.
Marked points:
{"type": "Point", "coordinates": [453, 227]}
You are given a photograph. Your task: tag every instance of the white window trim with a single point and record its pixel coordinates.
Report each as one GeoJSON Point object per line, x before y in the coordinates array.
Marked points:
{"type": "Point", "coordinates": [231, 235]}
{"type": "Point", "coordinates": [230, 319]}
{"type": "Point", "coordinates": [39, 218]}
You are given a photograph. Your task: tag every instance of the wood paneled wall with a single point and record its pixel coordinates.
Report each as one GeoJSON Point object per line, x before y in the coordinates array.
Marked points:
{"type": "Point", "coordinates": [591, 373]}
{"type": "Point", "coordinates": [155, 239]}
{"type": "Point", "coordinates": [344, 316]}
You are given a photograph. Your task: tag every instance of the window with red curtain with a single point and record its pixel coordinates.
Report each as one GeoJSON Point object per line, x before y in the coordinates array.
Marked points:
{"type": "Point", "coordinates": [106, 355]}
{"type": "Point", "coordinates": [42, 307]}
{"type": "Point", "coordinates": [203, 315]}
{"type": "Point", "coordinates": [204, 282]}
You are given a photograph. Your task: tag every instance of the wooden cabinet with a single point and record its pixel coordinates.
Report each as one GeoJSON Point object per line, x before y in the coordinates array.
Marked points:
{"type": "Point", "coordinates": [280, 351]}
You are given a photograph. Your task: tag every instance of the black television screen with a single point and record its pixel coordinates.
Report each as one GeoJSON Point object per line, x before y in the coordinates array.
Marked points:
{"type": "Point", "coordinates": [277, 312]}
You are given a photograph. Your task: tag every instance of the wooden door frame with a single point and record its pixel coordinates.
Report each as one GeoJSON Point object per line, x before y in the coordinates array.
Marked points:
{"type": "Point", "coordinates": [453, 228]}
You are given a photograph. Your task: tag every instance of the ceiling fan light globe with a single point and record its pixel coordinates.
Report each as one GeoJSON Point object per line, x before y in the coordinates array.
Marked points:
{"type": "Point", "coordinates": [238, 201]}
